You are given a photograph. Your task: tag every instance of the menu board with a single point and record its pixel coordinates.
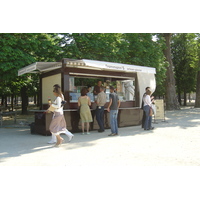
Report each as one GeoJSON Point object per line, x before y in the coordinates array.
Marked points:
{"type": "Point", "coordinates": [160, 112]}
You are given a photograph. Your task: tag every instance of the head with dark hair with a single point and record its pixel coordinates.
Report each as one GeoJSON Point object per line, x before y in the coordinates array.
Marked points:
{"type": "Point", "coordinates": [112, 88]}
{"type": "Point", "coordinates": [57, 86]}
{"type": "Point", "coordinates": [57, 91]}
{"type": "Point", "coordinates": [84, 91]}
{"type": "Point", "coordinates": [99, 83]}
{"type": "Point", "coordinates": [147, 88]}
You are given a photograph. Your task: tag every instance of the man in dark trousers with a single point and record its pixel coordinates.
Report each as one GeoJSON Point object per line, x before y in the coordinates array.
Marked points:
{"type": "Point", "coordinates": [113, 108]}
{"type": "Point", "coordinates": [152, 99]}
{"type": "Point", "coordinates": [101, 101]}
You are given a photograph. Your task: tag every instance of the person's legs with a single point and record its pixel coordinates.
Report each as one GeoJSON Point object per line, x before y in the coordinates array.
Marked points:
{"type": "Point", "coordinates": [102, 118]}
{"type": "Point", "coordinates": [143, 119]}
{"type": "Point", "coordinates": [149, 122]}
{"type": "Point", "coordinates": [88, 127]}
{"type": "Point", "coordinates": [82, 125]}
{"type": "Point", "coordinates": [58, 140]}
{"type": "Point", "coordinates": [69, 134]}
{"type": "Point", "coordinates": [98, 116]}
{"type": "Point", "coordinates": [53, 139]}
{"type": "Point", "coordinates": [112, 121]}
{"type": "Point", "coordinates": [115, 121]}
{"type": "Point", "coordinates": [146, 109]}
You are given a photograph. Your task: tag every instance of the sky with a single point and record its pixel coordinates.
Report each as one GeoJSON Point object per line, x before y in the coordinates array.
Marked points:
{"type": "Point", "coordinates": [103, 16]}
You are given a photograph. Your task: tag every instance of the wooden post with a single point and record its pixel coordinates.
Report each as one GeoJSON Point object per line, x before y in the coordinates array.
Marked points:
{"type": "Point", "coordinates": [137, 95]}
{"type": "Point", "coordinates": [65, 82]}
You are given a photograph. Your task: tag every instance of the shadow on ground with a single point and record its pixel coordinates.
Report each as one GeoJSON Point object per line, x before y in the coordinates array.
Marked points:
{"type": "Point", "coordinates": [16, 142]}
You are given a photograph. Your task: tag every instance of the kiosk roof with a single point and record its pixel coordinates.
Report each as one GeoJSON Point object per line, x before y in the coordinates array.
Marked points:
{"type": "Point", "coordinates": [42, 67]}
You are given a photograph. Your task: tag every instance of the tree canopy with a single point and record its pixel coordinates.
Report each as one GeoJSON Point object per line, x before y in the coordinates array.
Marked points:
{"type": "Point", "coordinates": [18, 50]}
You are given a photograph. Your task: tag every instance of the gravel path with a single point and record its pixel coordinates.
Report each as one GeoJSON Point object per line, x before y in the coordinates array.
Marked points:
{"type": "Point", "coordinates": [175, 142]}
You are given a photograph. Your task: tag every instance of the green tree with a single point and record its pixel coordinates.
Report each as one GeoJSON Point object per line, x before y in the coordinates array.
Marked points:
{"type": "Point", "coordinates": [170, 87]}
{"type": "Point", "coordinates": [18, 50]}
{"type": "Point", "coordinates": [184, 56]}
{"type": "Point", "coordinates": [142, 50]}
{"type": "Point", "coordinates": [94, 46]}
{"type": "Point", "coordinates": [197, 101]}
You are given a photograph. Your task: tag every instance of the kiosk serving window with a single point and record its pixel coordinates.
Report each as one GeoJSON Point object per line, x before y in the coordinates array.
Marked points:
{"type": "Point", "coordinates": [124, 88]}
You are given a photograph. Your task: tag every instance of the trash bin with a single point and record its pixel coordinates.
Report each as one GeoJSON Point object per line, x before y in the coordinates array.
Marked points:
{"type": "Point", "coordinates": [32, 127]}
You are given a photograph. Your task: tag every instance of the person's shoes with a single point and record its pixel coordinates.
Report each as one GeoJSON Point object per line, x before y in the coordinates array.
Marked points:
{"type": "Point", "coordinates": [113, 134]}
{"type": "Point", "coordinates": [62, 140]}
{"type": "Point", "coordinates": [88, 133]}
{"type": "Point", "coordinates": [71, 137]}
{"type": "Point", "coordinates": [51, 142]}
{"type": "Point", "coordinates": [100, 131]}
{"type": "Point", "coordinates": [152, 128]}
{"type": "Point", "coordinates": [83, 133]}
{"type": "Point", "coordinates": [56, 145]}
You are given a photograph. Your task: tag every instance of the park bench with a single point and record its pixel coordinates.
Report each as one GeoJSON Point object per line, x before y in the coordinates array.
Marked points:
{"type": "Point", "coordinates": [9, 113]}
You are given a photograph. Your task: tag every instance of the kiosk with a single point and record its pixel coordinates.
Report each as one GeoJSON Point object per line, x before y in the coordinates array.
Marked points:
{"type": "Point", "coordinates": [130, 82]}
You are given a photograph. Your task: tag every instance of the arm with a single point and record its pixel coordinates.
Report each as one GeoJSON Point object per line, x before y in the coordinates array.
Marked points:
{"type": "Point", "coordinates": [79, 103]}
{"type": "Point", "coordinates": [119, 103]}
{"type": "Point", "coordinates": [110, 103]}
{"type": "Point", "coordinates": [89, 102]}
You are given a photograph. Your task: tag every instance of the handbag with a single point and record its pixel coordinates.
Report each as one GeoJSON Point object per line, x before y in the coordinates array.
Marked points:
{"type": "Point", "coordinates": [51, 109]}
{"type": "Point", "coordinates": [150, 112]}
{"type": "Point", "coordinates": [63, 102]}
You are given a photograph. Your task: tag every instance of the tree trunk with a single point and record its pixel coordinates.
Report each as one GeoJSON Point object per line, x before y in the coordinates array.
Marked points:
{"type": "Point", "coordinates": [12, 102]}
{"type": "Point", "coordinates": [6, 102]}
{"type": "Point", "coordinates": [170, 90]}
{"type": "Point", "coordinates": [197, 100]}
{"type": "Point", "coordinates": [179, 98]}
{"type": "Point", "coordinates": [185, 98]}
{"type": "Point", "coordinates": [24, 100]}
{"type": "Point", "coordinates": [2, 100]}
{"type": "Point", "coordinates": [35, 99]}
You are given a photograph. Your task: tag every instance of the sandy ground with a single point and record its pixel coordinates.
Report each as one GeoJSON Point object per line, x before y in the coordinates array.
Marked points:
{"type": "Point", "coordinates": [174, 142]}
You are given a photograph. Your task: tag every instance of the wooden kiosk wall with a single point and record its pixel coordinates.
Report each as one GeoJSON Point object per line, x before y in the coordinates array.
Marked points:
{"type": "Point", "coordinates": [129, 113]}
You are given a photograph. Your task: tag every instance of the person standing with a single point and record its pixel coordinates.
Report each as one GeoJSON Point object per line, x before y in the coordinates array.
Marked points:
{"type": "Point", "coordinates": [101, 101]}
{"type": "Point", "coordinates": [143, 117]}
{"type": "Point", "coordinates": [146, 108]}
{"type": "Point", "coordinates": [152, 100]}
{"type": "Point", "coordinates": [58, 123]}
{"type": "Point", "coordinates": [85, 113]}
{"type": "Point", "coordinates": [67, 133]}
{"type": "Point", "coordinates": [96, 90]}
{"type": "Point", "coordinates": [113, 107]}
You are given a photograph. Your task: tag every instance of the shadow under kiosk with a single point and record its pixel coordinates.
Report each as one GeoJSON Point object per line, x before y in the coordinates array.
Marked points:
{"type": "Point", "coordinates": [130, 82]}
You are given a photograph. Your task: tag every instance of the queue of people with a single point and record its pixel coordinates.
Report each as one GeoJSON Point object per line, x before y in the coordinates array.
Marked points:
{"type": "Point", "coordinates": [58, 123]}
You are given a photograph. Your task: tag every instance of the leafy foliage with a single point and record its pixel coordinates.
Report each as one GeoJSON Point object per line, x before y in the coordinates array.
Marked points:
{"type": "Point", "coordinates": [184, 52]}
{"type": "Point", "coordinates": [18, 50]}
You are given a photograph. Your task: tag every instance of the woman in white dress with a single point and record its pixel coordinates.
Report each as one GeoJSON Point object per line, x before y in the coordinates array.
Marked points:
{"type": "Point", "coordinates": [58, 123]}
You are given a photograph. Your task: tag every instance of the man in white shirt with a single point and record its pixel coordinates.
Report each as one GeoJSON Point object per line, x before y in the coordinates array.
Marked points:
{"type": "Point", "coordinates": [146, 108]}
